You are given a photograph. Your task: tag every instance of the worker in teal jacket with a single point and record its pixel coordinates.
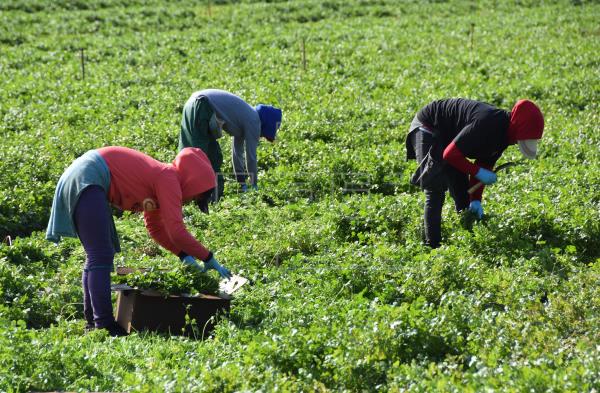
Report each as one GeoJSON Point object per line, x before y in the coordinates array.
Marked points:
{"type": "Point", "coordinates": [208, 112]}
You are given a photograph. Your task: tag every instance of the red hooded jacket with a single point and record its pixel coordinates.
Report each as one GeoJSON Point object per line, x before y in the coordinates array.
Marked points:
{"type": "Point", "coordinates": [139, 183]}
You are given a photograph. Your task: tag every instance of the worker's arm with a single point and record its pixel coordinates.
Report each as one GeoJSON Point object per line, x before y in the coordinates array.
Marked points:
{"type": "Point", "coordinates": [477, 194]}
{"type": "Point", "coordinates": [238, 158]}
{"type": "Point", "coordinates": [457, 159]}
{"type": "Point", "coordinates": [156, 230]}
{"type": "Point", "coordinates": [165, 224]}
{"type": "Point", "coordinates": [251, 159]}
{"type": "Point", "coordinates": [468, 140]}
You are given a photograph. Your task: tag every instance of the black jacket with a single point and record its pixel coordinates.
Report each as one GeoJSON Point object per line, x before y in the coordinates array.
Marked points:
{"type": "Point", "coordinates": [478, 129]}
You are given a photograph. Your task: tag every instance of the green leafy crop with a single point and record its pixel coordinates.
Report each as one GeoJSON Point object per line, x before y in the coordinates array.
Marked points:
{"type": "Point", "coordinates": [179, 280]}
{"type": "Point", "coordinates": [345, 297]}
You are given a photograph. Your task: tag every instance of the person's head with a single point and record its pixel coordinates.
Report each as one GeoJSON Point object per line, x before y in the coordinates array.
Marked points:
{"type": "Point", "coordinates": [203, 200]}
{"type": "Point", "coordinates": [526, 126]}
{"type": "Point", "coordinates": [270, 120]}
{"type": "Point", "coordinates": [196, 176]}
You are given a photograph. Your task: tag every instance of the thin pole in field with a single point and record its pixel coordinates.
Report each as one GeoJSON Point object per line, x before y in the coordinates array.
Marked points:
{"type": "Point", "coordinates": [208, 8]}
{"type": "Point", "coordinates": [472, 36]}
{"type": "Point", "coordinates": [303, 44]}
{"type": "Point", "coordinates": [82, 57]}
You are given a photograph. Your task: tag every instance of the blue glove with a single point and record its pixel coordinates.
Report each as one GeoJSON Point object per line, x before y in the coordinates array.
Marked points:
{"type": "Point", "coordinates": [244, 187]}
{"type": "Point", "coordinates": [475, 207]}
{"type": "Point", "coordinates": [213, 264]}
{"type": "Point", "coordinates": [486, 177]}
{"type": "Point", "coordinates": [191, 262]}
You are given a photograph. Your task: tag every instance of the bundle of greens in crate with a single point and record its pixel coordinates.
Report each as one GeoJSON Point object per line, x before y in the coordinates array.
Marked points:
{"type": "Point", "coordinates": [176, 281]}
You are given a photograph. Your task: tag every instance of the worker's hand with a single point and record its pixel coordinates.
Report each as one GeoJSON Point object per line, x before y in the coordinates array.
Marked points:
{"type": "Point", "coordinates": [475, 208]}
{"type": "Point", "coordinates": [486, 176]}
{"type": "Point", "coordinates": [191, 262]}
{"type": "Point", "coordinates": [213, 264]}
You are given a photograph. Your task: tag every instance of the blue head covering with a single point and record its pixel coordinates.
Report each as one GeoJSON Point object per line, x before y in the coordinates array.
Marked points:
{"type": "Point", "coordinates": [270, 120]}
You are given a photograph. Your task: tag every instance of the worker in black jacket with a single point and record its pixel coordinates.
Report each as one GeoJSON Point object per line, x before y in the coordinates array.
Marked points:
{"type": "Point", "coordinates": [445, 134]}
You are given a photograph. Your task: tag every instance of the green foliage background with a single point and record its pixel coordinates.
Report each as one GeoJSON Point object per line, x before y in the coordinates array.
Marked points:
{"type": "Point", "coordinates": [344, 296]}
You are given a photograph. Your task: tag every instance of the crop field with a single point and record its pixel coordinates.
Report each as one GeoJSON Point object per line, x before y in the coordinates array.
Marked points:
{"type": "Point", "coordinates": [343, 295]}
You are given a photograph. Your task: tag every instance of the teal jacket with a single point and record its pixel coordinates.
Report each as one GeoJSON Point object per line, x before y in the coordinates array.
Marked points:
{"type": "Point", "coordinates": [89, 169]}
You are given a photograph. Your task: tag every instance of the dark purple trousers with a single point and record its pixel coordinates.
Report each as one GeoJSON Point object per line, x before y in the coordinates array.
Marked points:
{"type": "Point", "coordinates": [92, 219]}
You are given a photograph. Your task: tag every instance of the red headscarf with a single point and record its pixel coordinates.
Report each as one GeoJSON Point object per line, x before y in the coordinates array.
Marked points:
{"type": "Point", "coordinates": [526, 121]}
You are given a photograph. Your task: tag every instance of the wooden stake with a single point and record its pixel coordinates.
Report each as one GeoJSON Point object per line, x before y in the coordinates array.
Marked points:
{"type": "Point", "coordinates": [82, 56]}
{"type": "Point", "coordinates": [303, 54]}
{"type": "Point", "coordinates": [472, 34]}
{"type": "Point", "coordinates": [208, 8]}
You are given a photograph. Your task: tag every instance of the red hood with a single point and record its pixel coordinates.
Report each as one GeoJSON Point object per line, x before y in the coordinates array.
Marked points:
{"type": "Point", "coordinates": [526, 121]}
{"type": "Point", "coordinates": [195, 172]}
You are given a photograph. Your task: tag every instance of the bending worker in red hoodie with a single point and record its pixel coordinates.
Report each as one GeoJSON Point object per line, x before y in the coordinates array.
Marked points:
{"type": "Point", "coordinates": [129, 180]}
{"type": "Point", "coordinates": [445, 134]}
